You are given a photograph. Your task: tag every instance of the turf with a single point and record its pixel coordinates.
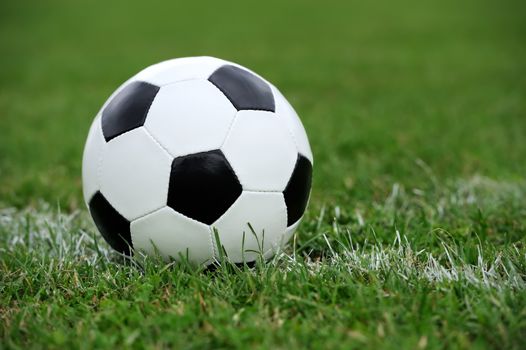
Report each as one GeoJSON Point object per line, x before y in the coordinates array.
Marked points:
{"type": "Point", "coordinates": [415, 234]}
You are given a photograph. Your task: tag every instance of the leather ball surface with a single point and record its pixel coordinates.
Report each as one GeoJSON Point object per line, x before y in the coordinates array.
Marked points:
{"type": "Point", "coordinates": [193, 146]}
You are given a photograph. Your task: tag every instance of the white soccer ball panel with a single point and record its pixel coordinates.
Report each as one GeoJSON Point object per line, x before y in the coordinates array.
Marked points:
{"type": "Point", "coordinates": [292, 121]}
{"type": "Point", "coordinates": [134, 174]}
{"type": "Point", "coordinates": [261, 151]}
{"type": "Point", "coordinates": [190, 117]}
{"type": "Point", "coordinates": [180, 69]}
{"type": "Point", "coordinates": [267, 214]}
{"type": "Point", "coordinates": [281, 243]}
{"type": "Point", "coordinates": [91, 159]}
{"type": "Point", "coordinates": [171, 235]}
{"type": "Point", "coordinates": [289, 233]}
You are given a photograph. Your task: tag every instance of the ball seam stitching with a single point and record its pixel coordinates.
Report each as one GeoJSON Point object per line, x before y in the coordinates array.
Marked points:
{"type": "Point", "coordinates": [101, 154]}
{"type": "Point", "coordinates": [170, 157]}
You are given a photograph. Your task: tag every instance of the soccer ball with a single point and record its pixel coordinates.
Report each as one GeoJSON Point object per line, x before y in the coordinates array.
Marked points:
{"type": "Point", "coordinates": [197, 158]}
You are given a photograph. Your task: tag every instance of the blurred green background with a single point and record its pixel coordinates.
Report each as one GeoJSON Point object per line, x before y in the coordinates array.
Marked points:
{"type": "Point", "coordinates": [415, 235]}
{"type": "Point", "coordinates": [388, 91]}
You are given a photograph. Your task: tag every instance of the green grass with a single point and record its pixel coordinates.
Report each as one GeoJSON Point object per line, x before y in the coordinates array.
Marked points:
{"type": "Point", "coordinates": [415, 234]}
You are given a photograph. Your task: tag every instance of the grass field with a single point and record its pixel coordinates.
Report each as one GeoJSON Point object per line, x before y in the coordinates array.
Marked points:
{"type": "Point", "coordinates": [415, 236]}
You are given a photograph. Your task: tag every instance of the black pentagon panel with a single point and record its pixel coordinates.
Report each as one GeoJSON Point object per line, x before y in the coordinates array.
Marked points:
{"type": "Point", "coordinates": [203, 186]}
{"type": "Point", "coordinates": [298, 189]}
{"type": "Point", "coordinates": [128, 109]}
{"type": "Point", "coordinates": [113, 226]}
{"type": "Point", "coordinates": [243, 89]}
